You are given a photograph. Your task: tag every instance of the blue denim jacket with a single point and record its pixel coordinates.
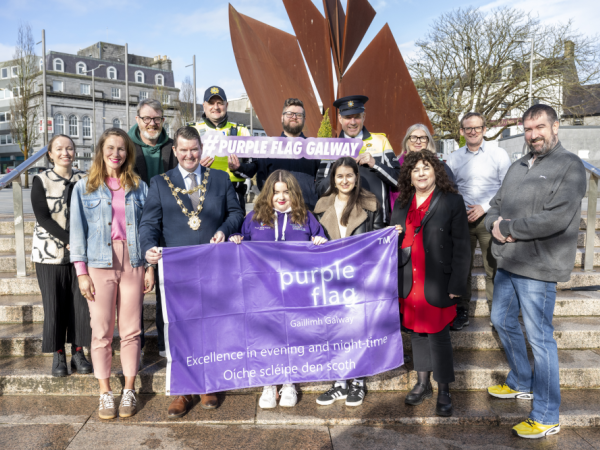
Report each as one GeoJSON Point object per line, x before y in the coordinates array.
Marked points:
{"type": "Point", "coordinates": [91, 217]}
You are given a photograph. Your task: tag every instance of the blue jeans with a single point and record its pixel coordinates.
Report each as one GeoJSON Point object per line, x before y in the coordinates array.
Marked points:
{"type": "Point", "coordinates": [536, 301]}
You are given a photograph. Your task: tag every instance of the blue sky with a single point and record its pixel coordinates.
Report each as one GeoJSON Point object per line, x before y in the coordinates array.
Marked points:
{"type": "Point", "coordinates": [182, 28]}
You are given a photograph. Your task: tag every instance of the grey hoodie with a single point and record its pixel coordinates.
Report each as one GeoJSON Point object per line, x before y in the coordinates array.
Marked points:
{"type": "Point", "coordinates": [544, 207]}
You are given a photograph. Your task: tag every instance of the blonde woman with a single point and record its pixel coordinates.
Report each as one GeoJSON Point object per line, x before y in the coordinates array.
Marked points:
{"type": "Point", "coordinates": [106, 209]}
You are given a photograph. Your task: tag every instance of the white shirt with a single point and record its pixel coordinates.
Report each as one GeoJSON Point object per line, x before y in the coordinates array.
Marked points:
{"type": "Point", "coordinates": [186, 179]}
{"type": "Point", "coordinates": [479, 174]}
{"type": "Point", "coordinates": [339, 211]}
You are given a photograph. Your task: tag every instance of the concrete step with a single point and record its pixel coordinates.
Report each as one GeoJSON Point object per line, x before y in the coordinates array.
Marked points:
{"type": "Point", "coordinates": [579, 278]}
{"type": "Point", "coordinates": [8, 243]}
{"type": "Point", "coordinates": [474, 370]}
{"type": "Point", "coordinates": [26, 340]}
{"type": "Point", "coordinates": [8, 226]}
{"type": "Point", "coordinates": [583, 222]}
{"type": "Point", "coordinates": [28, 308]}
{"type": "Point", "coordinates": [582, 239]}
{"type": "Point", "coordinates": [8, 263]}
{"type": "Point", "coordinates": [568, 303]}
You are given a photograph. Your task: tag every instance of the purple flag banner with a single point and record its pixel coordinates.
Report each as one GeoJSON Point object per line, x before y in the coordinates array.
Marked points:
{"type": "Point", "coordinates": [217, 144]}
{"type": "Point", "coordinates": [267, 313]}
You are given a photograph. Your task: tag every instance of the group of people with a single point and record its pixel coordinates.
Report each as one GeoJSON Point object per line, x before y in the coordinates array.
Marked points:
{"type": "Point", "coordinates": [98, 237]}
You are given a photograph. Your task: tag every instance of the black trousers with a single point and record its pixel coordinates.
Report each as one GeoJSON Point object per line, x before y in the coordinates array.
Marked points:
{"type": "Point", "coordinates": [66, 312]}
{"type": "Point", "coordinates": [241, 189]}
{"type": "Point", "coordinates": [433, 353]}
{"type": "Point", "coordinates": [160, 324]}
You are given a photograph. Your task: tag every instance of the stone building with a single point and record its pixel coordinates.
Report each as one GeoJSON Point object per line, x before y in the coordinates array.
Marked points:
{"type": "Point", "coordinates": [69, 94]}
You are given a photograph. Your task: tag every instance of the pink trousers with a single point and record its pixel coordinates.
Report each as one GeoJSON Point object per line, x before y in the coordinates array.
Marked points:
{"type": "Point", "coordinates": [119, 289]}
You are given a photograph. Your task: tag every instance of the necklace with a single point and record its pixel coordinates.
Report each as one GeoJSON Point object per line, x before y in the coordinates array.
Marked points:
{"type": "Point", "coordinates": [194, 221]}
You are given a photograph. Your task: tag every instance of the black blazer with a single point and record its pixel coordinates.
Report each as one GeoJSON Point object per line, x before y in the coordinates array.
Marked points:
{"type": "Point", "coordinates": [447, 250]}
{"type": "Point", "coordinates": [163, 223]}
{"type": "Point", "coordinates": [167, 154]}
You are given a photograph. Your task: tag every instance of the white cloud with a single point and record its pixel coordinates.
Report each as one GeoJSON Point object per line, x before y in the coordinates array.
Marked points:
{"type": "Point", "coordinates": [6, 52]}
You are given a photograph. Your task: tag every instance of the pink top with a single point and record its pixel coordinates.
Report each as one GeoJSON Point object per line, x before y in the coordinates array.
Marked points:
{"type": "Point", "coordinates": [118, 230]}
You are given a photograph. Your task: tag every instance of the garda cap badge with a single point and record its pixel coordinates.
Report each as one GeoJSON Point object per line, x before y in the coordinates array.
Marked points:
{"type": "Point", "coordinates": [369, 145]}
{"type": "Point", "coordinates": [214, 90]}
{"type": "Point", "coordinates": [350, 104]}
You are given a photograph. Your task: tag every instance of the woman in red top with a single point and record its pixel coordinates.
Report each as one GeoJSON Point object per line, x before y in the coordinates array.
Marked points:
{"type": "Point", "coordinates": [433, 219]}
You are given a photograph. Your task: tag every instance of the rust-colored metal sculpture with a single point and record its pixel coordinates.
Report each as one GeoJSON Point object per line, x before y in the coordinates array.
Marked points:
{"type": "Point", "coordinates": [273, 69]}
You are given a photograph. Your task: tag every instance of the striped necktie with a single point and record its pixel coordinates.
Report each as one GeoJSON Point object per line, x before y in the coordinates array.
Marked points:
{"type": "Point", "coordinates": [194, 197]}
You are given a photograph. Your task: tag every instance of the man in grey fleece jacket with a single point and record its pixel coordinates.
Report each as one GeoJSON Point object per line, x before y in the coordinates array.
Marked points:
{"type": "Point", "coordinates": [534, 219]}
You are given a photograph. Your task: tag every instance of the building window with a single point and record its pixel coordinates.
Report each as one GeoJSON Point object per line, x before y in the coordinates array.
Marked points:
{"type": "Point", "coordinates": [57, 86]}
{"type": "Point", "coordinates": [41, 64]}
{"type": "Point", "coordinates": [59, 124]}
{"type": "Point", "coordinates": [16, 91]}
{"type": "Point", "coordinates": [4, 93]}
{"type": "Point", "coordinates": [4, 72]}
{"type": "Point", "coordinates": [116, 123]}
{"type": "Point", "coordinates": [73, 131]}
{"type": "Point", "coordinates": [6, 139]}
{"type": "Point", "coordinates": [167, 128]}
{"type": "Point", "coordinates": [578, 121]}
{"type": "Point", "coordinates": [111, 73]}
{"type": "Point", "coordinates": [85, 89]}
{"type": "Point", "coordinates": [166, 99]}
{"type": "Point", "coordinates": [86, 127]}
{"type": "Point", "coordinates": [14, 71]}
{"type": "Point", "coordinates": [59, 65]}
{"type": "Point", "coordinates": [139, 76]}
{"type": "Point", "coordinates": [4, 117]}
{"type": "Point", "coordinates": [81, 68]}
{"type": "Point", "coordinates": [116, 93]}
{"type": "Point", "coordinates": [159, 79]}
{"type": "Point", "coordinates": [143, 95]}
{"type": "Point", "coordinates": [506, 133]}
{"type": "Point", "coordinates": [507, 72]}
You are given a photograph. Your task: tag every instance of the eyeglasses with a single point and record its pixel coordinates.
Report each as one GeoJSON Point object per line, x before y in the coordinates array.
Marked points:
{"type": "Point", "coordinates": [289, 115]}
{"type": "Point", "coordinates": [475, 129]}
{"type": "Point", "coordinates": [156, 120]}
{"type": "Point", "coordinates": [422, 139]}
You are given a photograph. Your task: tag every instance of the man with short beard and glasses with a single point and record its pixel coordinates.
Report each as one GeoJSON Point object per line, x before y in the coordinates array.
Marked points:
{"type": "Point", "coordinates": [534, 219]}
{"type": "Point", "coordinates": [153, 156]}
{"type": "Point", "coordinates": [305, 170]}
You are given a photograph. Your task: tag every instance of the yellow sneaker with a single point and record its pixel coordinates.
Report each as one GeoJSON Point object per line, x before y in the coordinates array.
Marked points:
{"type": "Point", "coordinates": [503, 391]}
{"type": "Point", "coordinates": [530, 429]}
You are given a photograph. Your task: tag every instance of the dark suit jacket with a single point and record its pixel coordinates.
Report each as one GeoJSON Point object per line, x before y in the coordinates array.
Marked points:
{"type": "Point", "coordinates": [167, 154]}
{"type": "Point", "coordinates": [163, 223]}
{"type": "Point", "coordinates": [447, 250]}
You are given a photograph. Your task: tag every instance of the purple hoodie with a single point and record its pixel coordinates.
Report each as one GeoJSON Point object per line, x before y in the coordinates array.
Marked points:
{"type": "Point", "coordinates": [285, 230]}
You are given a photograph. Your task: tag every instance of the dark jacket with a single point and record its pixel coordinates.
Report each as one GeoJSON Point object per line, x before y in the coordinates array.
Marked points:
{"type": "Point", "coordinates": [169, 160]}
{"type": "Point", "coordinates": [542, 209]}
{"type": "Point", "coordinates": [362, 220]}
{"type": "Point", "coordinates": [164, 224]}
{"type": "Point", "coordinates": [447, 250]}
{"type": "Point", "coordinates": [305, 171]}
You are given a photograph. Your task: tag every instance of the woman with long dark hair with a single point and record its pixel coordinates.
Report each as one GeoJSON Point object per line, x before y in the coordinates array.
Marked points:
{"type": "Point", "coordinates": [346, 209]}
{"type": "Point", "coordinates": [280, 215]}
{"type": "Point", "coordinates": [66, 314]}
{"type": "Point", "coordinates": [106, 212]}
{"type": "Point", "coordinates": [433, 268]}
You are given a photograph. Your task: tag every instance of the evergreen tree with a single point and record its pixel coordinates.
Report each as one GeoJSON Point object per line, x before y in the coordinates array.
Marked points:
{"type": "Point", "coordinates": [325, 130]}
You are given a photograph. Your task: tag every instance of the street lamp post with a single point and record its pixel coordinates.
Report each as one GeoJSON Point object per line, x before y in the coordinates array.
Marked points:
{"type": "Point", "coordinates": [94, 105]}
{"type": "Point", "coordinates": [194, 64]}
{"type": "Point", "coordinates": [44, 98]}
{"type": "Point", "coordinates": [530, 69]}
{"type": "Point", "coordinates": [126, 87]}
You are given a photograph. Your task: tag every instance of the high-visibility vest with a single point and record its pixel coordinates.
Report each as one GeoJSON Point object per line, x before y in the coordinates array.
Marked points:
{"type": "Point", "coordinates": [229, 129]}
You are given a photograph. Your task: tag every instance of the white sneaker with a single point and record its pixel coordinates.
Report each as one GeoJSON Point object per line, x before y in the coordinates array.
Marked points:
{"type": "Point", "coordinates": [162, 354]}
{"type": "Point", "coordinates": [268, 397]}
{"type": "Point", "coordinates": [289, 396]}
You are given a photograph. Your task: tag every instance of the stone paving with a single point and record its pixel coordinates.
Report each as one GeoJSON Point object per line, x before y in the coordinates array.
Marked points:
{"type": "Point", "coordinates": [382, 422]}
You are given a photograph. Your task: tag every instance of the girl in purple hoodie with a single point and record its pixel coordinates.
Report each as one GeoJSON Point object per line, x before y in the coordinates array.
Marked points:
{"type": "Point", "coordinates": [280, 215]}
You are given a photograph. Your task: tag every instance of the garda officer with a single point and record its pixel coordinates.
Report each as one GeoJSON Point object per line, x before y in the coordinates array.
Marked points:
{"type": "Point", "coordinates": [215, 118]}
{"type": "Point", "coordinates": [379, 167]}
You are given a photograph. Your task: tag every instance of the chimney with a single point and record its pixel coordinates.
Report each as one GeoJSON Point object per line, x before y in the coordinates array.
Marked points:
{"type": "Point", "coordinates": [569, 49]}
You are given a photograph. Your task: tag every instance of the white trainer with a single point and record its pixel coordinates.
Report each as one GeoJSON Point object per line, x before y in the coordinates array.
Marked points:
{"type": "Point", "coordinates": [289, 396]}
{"type": "Point", "coordinates": [268, 398]}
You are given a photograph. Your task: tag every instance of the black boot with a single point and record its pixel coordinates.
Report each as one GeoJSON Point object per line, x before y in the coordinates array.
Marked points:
{"type": "Point", "coordinates": [444, 401]}
{"type": "Point", "coordinates": [421, 391]}
{"type": "Point", "coordinates": [59, 365]}
{"type": "Point", "coordinates": [79, 363]}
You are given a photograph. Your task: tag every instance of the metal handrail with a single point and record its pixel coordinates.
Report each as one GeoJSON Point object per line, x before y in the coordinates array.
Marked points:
{"type": "Point", "coordinates": [25, 165]}
{"type": "Point", "coordinates": [590, 231]}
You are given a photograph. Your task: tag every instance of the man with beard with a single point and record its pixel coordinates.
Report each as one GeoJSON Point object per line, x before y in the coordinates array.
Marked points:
{"type": "Point", "coordinates": [153, 156]}
{"type": "Point", "coordinates": [534, 219]}
{"type": "Point", "coordinates": [379, 167]}
{"type": "Point", "coordinates": [305, 170]}
{"type": "Point", "coordinates": [215, 118]}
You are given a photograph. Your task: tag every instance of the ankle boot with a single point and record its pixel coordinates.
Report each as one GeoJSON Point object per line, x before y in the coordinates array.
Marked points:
{"type": "Point", "coordinates": [443, 406]}
{"type": "Point", "coordinates": [79, 363]}
{"type": "Point", "coordinates": [420, 391]}
{"type": "Point", "coordinates": [59, 365]}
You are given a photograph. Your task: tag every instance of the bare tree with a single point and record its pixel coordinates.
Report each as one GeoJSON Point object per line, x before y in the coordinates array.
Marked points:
{"type": "Point", "coordinates": [25, 102]}
{"type": "Point", "coordinates": [475, 61]}
{"type": "Point", "coordinates": [184, 105]}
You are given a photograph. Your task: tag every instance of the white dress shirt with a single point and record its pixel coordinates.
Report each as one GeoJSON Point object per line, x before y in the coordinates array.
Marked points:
{"type": "Point", "coordinates": [479, 174]}
{"type": "Point", "coordinates": [187, 180]}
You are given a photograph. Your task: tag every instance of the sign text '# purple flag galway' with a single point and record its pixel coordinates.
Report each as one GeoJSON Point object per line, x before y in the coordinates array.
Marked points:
{"type": "Point", "coordinates": [266, 313]}
{"type": "Point", "coordinates": [217, 144]}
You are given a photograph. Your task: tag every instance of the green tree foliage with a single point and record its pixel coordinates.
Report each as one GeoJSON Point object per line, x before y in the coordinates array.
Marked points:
{"type": "Point", "coordinates": [325, 130]}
